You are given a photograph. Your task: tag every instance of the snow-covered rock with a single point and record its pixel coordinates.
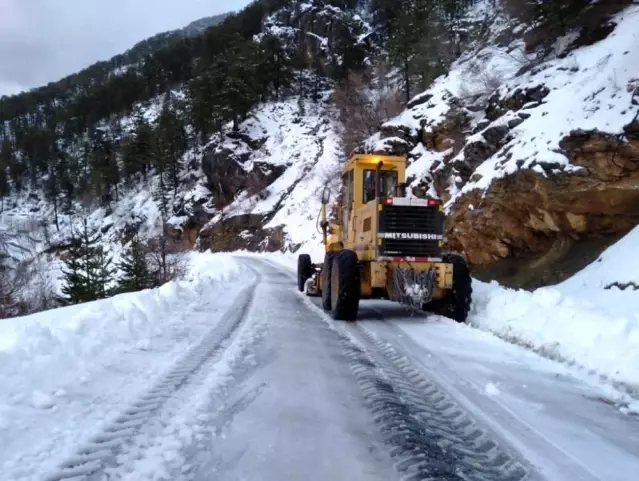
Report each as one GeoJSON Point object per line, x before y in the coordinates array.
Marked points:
{"type": "Point", "coordinates": [262, 185]}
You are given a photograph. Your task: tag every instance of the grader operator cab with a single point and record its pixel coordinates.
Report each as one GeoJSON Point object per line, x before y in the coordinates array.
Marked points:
{"type": "Point", "coordinates": [384, 245]}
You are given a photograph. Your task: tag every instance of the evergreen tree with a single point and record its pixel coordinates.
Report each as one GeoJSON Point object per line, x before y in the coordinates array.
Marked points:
{"type": "Point", "coordinates": [105, 169]}
{"type": "Point", "coordinates": [425, 37]}
{"type": "Point", "coordinates": [4, 185]}
{"type": "Point", "coordinates": [240, 88]}
{"type": "Point", "coordinates": [171, 145]}
{"type": "Point", "coordinates": [135, 266]}
{"type": "Point", "coordinates": [52, 189]}
{"type": "Point", "coordinates": [276, 73]}
{"type": "Point", "coordinates": [7, 164]}
{"type": "Point", "coordinates": [88, 270]}
{"type": "Point", "coordinates": [104, 273]}
{"type": "Point", "coordinates": [407, 30]}
{"type": "Point", "coordinates": [140, 150]}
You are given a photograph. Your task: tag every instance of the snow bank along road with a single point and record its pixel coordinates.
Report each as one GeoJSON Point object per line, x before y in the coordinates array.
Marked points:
{"type": "Point", "coordinates": [277, 390]}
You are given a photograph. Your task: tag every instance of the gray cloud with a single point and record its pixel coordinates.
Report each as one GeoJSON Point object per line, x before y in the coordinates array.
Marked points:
{"type": "Point", "coordinates": [44, 40]}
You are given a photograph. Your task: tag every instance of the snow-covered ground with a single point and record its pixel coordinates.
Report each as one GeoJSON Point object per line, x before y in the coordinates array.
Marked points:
{"type": "Point", "coordinates": [175, 382]}
{"type": "Point", "coordinates": [559, 418]}
{"type": "Point", "coordinates": [67, 372]}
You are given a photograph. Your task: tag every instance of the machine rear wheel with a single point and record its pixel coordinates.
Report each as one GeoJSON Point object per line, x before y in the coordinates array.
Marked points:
{"type": "Point", "coordinates": [304, 270]}
{"type": "Point", "coordinates": [326, 279]}
{"type": "Point", "coordinates": [345, 286]}
{"type": "Point", "coordinates": [456, 303]}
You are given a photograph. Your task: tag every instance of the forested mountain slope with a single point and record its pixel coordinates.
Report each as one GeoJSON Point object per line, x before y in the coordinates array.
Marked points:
{"type": "Point", "coordinates": [223, 139]}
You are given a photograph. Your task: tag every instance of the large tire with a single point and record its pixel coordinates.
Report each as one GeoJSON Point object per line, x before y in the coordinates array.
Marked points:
{"type": "Point", "coordinates": [456, 303]}
{"type": "Point", "coordinates": [304, 270]}
{"type": "Point", "coordinates": [345, 286]}
{"type": "Point", "coordinates": [326, 279]}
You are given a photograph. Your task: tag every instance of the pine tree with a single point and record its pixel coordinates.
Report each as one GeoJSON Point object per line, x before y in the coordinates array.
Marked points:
{"type": "Point", "coordinates": [88, 270]}
{"type": "Point", "coordinates": [424, 39]}
{"type": "Point", "coordinates": [275, 66]}
{"type": "Point", "coordinates": [140, 150]}
{"type": "Point", "coordinates": [161, 195]}
{"type": "Point", "coordinates": [203, 110]}
{"type": "Point", "coordinates": [240, 89]}
{"type": "Point", "coordinates": [52, 189]}
{"type": "Point", "coordinates": [135, 266]}
{"type": "Point", "coordinates": [171, 145]}
{"type": "Point", "coordinates": [105, 169]}
{"type": "Point", "coordinates": [104, 273]}
{"type": "Point", "coordinates": [403, 44]}
{"type": "Point", "coordinates": [5, 188]}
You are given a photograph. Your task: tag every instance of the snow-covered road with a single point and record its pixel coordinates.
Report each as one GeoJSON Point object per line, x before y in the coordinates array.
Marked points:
{"type": "Point", "coordinates": [559, 419]}
{"type": "Point", "coordinates": [266, 386]}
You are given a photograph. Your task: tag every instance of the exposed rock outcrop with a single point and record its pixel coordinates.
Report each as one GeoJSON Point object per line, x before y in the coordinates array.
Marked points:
{"type": "Point", "coordinates": [242, 232]}
{"type": "Point", "coordinates": [528, 213]}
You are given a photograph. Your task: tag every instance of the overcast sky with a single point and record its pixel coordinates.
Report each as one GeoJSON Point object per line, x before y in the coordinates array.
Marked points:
{"type": "Point", "coordinates": [45, 40]}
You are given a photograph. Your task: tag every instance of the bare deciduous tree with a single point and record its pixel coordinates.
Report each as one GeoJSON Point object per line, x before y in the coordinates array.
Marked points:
{"type": "Point", "coordinates": [168, 261]}
{"type": "Point", "coordinates": [25, 284]}
{"type": "Point", "coordinates": [365, 101]}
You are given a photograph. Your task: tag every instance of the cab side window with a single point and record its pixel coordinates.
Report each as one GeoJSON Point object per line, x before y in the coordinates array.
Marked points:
{"type": "Point", "coordinates": [347, 200]}
{"type": "Point", "coordinates": [347, 188]}
{"type": "Point", "coordinates": [369, 185]}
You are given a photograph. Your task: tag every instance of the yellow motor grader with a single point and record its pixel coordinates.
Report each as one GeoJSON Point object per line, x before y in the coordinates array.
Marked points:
{"type": "Point", "coordinates": [384, 245]}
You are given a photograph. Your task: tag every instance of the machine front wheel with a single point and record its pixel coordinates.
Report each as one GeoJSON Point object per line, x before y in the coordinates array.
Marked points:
{"type": "Point", "coordinates": [304, 270]}
{"type": "Point", "coordinates": [345, 286]}
{"type": "Point", "coordinates": [325, 279]}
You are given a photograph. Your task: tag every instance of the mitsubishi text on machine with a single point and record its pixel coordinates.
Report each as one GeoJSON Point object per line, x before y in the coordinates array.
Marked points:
{"type": "Point", "coordinates": [409, 236]}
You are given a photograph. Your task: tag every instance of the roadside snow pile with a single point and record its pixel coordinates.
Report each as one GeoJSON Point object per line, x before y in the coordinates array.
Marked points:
{"type": "Point", "coordinates": [585, 320]}
{"type": "Point", "coordinates": [82, 362]}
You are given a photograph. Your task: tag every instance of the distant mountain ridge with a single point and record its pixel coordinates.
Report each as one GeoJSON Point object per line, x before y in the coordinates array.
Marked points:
{"type": "Point", "coordinates": [164, 39]}
{"type": "Point", "coordinates": [135, 54]}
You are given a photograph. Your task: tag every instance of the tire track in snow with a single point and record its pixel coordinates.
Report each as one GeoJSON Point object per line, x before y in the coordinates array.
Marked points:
{"type": "Point", "coordinates": [102, 451]}
{"type": "Point", "coordinates": [431, 437]}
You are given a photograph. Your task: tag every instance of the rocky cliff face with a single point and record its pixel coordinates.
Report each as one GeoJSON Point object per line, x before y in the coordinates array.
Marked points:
{"type": "Point", "coordinates": [544, 220]}
{"type": "Point", "coordinates": [538, 174]}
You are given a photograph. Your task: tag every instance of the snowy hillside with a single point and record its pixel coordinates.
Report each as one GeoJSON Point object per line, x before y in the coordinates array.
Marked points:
{"type": "Point", "coordinates": [588, 88]}
{"type": "Point", "coordinates": [524, 165]}
{"type": "Point", "coordinates": [533, 154]}
{"type": "Point", "coordinates": [299, 150]}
